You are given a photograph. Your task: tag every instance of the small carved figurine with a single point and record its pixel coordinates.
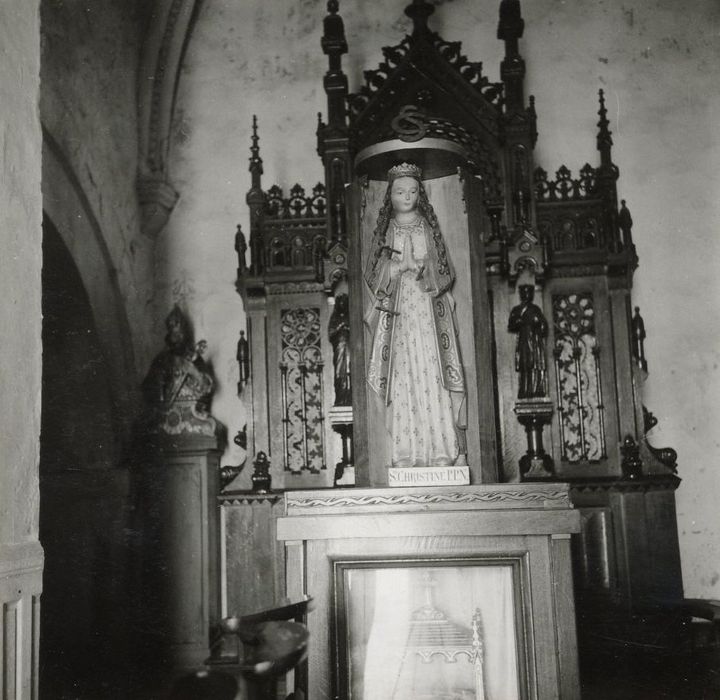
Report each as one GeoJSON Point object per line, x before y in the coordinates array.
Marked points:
{"type": "Point", "coordinates": [240, 248]}
{"type": "Point", "coordinates": [625, 223]}
{"type": "Point", "coordinates": [339, 332]}
{"type": "Point", "coordinates": [638, 331]}
{"type": "Point", "coordinates": [243, 360]}
{"type": "Point", "coordinates": [527, 320]}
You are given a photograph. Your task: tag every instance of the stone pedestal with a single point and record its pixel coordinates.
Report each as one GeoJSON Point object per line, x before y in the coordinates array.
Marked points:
{"type": "Point", "coordinates": [176, 491]}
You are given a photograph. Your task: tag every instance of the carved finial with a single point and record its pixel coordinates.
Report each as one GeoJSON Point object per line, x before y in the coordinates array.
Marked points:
{"type": "Point", "coordinates": [511, 24]}
{"type": "Point", "coordinates": [603, 123]}
{"type": "Point", "coordinates": [604, 138]}
{"type": "Point", "coordinates": [256, 164]}
{"type": "Point", "coordinates": [512, 69]}
{"type": "Point", "coordinates": [419, 11]}
{"type": "Point", "coordinates": [333, 40]}
{"type": "Point", "coordinates": [336, 86]}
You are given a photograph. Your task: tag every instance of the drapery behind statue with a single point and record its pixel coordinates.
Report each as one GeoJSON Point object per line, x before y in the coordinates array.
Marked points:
{"type": "Point", "coordinates": [415, 365]}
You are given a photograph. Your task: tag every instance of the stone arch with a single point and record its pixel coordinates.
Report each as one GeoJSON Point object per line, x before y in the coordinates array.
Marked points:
{"type": "Point", "coordinates": [164, 46]}
{"type": "Point", "coordinates": [78, 419]}
{"type": "Point", "coordinates": [67, 207]}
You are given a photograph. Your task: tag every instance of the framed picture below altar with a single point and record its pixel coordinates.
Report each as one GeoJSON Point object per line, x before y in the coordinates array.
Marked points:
{"type": "Point", "coordinates": [416, 629]}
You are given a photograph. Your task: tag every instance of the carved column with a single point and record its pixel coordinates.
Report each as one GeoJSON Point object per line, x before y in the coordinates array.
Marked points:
{"type": "Point", "coordinates": [256, 390]}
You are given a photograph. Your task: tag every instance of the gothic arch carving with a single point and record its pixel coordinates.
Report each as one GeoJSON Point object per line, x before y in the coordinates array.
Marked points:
{"type": "Point", "coordinates": [165, 41]}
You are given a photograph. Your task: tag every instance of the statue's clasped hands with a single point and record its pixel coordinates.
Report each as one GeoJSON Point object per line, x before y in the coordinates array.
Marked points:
{"type": "Point", "coordinates": [408, 263]}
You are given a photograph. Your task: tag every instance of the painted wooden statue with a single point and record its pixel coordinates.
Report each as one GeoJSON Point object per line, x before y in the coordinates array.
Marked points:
{"type": "Point", "coordinates": [527, 321]}
{"type": "Point", "coordinates": [415, 365]}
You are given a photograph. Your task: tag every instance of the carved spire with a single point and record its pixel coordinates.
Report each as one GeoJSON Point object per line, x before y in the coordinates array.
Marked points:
{"type": "Point", "coordinates": [256, 164]}
{"type": "Point", "coordinates": [419, 11]}
{"type": "Point", "coordinates": [255, 199]}
{"type": "Point", "coordinates": [334, 46]}
{"type": "Point", "coordinates": [607, 175]}
{"type": "Point", "coordinates": [512, 69]}
{"type": "Point", "coordinates": [604, 138]}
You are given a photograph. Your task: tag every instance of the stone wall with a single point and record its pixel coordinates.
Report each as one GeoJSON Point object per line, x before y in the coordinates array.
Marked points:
{"type": "Point", "coordinates": [98, 287]}
{"type": "Point", "coordinates": [658, 65]}
{"type": "Point", "coordinates": [20, 264]}
{"type": "Point", "coordinates": [90, 57]}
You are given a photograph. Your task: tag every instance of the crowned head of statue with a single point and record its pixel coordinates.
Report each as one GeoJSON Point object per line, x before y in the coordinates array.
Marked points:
{"type": "Point", "coordinates": [404, 182]}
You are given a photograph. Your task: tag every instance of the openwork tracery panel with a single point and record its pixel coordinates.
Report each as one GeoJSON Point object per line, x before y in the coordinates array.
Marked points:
{"type": "Point", "coordinates": [302, 390]}
{"type": "Point", "coordinates": [577, 365]}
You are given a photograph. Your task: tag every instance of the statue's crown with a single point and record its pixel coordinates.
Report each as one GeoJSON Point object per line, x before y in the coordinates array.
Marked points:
{"type": "Point", "coordinates": [404, 170]}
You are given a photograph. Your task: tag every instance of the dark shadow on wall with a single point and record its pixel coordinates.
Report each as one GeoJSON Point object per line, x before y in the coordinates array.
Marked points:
{"type": "Point", "coordinates": [77, 412]}
{"type": "Point", "coordinates": [83, 496]}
